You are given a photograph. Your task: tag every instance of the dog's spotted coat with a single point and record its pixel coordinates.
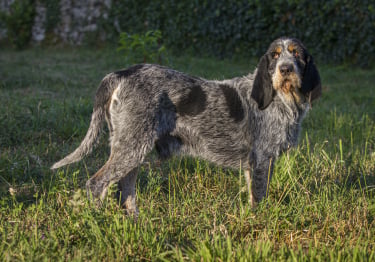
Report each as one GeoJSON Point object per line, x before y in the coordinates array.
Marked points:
{"type": "Point", "coordinates": [244, 121]}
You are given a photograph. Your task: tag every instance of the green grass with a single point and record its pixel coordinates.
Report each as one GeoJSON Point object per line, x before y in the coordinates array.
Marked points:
{"type": "Point", "coordinates": [322, 197]}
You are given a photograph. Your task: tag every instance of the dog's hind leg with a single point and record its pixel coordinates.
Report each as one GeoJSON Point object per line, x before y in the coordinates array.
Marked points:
{"type": "Point", "coordinates": [127, 153]}
{"type": "Point", "coordinates": [97, 186]}
{"type": "Point", "coordinates": [126, 187]}
{"type": "Point", "coordinates": [113, 171]}
{"type": "Point", "coordinates": [117, 167]}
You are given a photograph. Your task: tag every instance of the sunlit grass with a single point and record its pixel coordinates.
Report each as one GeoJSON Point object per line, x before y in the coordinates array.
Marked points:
{"type": "Point", "coordinates": [321, 204]}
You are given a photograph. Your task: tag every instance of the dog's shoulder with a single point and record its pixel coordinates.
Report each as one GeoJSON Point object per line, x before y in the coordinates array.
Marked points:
{"type": "Point", "coordinates": [241, 87]}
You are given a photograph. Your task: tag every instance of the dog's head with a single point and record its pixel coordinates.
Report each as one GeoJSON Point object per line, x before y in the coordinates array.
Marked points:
{"type": "Point", "coordinates": [286, 69]}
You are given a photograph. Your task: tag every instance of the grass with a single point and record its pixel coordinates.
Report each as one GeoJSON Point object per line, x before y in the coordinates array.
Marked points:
{"type": "Point", "coordinates": [322, 197]}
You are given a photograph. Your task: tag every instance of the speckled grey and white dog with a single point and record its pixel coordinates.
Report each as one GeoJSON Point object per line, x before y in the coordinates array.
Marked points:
{"type": "Point", "coordinates": [244, 121]}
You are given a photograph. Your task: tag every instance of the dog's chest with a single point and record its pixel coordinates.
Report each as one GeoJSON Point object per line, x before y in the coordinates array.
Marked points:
{"type": "Point", "coordinates": [278, 131]}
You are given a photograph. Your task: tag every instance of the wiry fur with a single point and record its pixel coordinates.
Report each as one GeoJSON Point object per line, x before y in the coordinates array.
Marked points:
{"type": "Point", "coordinates": [244, 121]}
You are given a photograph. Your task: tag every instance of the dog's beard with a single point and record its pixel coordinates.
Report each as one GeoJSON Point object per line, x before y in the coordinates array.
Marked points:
{"type": "Point", "coordinates": [290, 83]}
{"type": "Point", "coordinates": [286, 86]}
{"type": "Point", "coordinates": [290, 86]}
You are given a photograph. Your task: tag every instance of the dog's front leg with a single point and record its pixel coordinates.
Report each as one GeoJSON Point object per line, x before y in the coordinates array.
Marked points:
{"type": "Point", "coordinates": [259, 179]}
{"type": "Point", "coordinates": [248, 183]}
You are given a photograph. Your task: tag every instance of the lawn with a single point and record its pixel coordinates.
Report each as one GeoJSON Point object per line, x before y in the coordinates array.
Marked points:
{"type": "Point", "coordinates": [322, 197]}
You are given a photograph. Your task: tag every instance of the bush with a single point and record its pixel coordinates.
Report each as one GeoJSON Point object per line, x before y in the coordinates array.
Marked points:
{"type": "Point", "coordinates": [142, 48]}
{"type": "Point", "coordinates": [19, 22]}
{"type": "Point", "coordinates": [334, 31]}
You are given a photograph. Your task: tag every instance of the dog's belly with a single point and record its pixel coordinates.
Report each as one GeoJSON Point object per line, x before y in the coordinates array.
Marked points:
{"type": "Point", "coordinates": [220, 149]}
{"type": "Point", "coordinates": [232, 157]}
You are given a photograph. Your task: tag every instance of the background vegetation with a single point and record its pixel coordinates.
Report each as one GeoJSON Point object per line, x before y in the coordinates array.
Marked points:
{"type": "Point", "coordinates": [19, 22]}
{"type": "Point", "coordinates": [335, 31]}
{"type": "Point", "coordinates": [321, 205]}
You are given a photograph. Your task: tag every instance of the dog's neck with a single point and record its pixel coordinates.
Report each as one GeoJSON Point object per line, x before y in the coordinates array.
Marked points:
{"type": "Point", "coordinates": [291, 110]}
{"type": "Point", "coordinates": [291, 116]}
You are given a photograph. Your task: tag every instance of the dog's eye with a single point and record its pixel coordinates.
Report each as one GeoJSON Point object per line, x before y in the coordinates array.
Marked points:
{"type": "Point", "coordinates": [275, 55]}
{"type": "Point", "coordinates": [295, 53]}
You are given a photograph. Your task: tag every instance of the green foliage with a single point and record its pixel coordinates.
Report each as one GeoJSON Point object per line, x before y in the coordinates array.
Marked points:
{"type": "Point", "coordinates": [142, 47]}
{"type": "Point", "coordinates": [19, 22]}
{"type": "Point", "coordinates": [52, 14]}
{"type": "Point", "coordinates": [334, 31]}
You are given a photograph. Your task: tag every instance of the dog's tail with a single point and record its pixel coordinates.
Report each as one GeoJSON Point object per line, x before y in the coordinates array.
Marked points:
{"type": "Point", "coordinates": [102, 99]}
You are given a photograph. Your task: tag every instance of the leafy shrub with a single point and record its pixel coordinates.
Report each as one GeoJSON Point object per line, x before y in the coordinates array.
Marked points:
{"type": "Point", "coordinates": [142, 47]}
{"type": "Point", "coordinates": [334, 31]}
{"type": "Point", "coordinates": [52, 14]}
{"type": "Point", "coordinates": [19, 22]}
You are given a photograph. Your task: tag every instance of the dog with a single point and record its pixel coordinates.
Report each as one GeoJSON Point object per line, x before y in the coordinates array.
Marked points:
{"type": "Point", "coordinates": [244, 122]}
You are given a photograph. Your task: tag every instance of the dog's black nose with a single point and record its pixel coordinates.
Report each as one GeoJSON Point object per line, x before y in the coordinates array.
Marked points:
{"type": "Point", "coordinates": [286, 69]}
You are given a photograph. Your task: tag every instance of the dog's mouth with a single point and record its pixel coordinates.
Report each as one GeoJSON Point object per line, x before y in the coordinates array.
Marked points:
{"type": "Point", "coordinates": [290, 83]}
{"type": "Point", "coordinates": [287, 86]}
{"type": "Point", "coordinates": [291, 89]}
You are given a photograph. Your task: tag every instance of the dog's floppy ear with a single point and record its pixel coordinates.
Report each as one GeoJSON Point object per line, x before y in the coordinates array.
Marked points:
{"type": "Point", "coordinates": [263, 92]}
{"type": "Point", "coordinates": [311, 85]}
